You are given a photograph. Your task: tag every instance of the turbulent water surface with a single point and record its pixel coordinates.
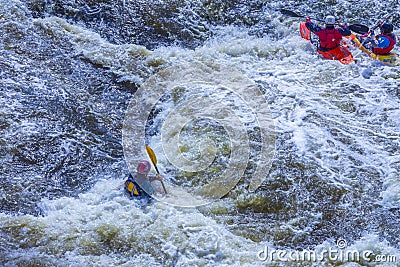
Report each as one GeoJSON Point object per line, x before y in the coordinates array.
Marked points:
{"type": "Point", "coordinates": [69, 70]}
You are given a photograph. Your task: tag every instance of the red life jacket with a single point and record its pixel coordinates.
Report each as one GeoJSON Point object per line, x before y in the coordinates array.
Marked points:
{"type": "Point", "coordinates": [329, 39]}
{"type": "Point", "coordinates": [385, 51]}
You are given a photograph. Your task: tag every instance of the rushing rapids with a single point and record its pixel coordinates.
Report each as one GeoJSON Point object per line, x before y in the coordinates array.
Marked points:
{"type": "Point", "coordinates": [69, 70]}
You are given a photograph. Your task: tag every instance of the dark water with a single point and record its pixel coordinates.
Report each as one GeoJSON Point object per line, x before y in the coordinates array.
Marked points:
{"type": "Point", "coordinates": [61, 128]}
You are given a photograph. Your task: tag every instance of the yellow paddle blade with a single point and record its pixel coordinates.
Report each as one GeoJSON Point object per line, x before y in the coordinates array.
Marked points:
{"type": "Point", "coordinates": [153, 158]}
{"type": "Point", "coordinates": [151, 154]}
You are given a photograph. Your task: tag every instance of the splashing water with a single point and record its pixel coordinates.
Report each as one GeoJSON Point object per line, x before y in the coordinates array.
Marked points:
{"type": "Point", "coordinates": [70, 70]}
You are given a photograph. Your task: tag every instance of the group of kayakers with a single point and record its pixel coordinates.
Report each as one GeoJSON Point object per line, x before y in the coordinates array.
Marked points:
{"type": "Point", "coordinates": [330, 37]}
{"type": "Point", "coordinates": [139, 185]}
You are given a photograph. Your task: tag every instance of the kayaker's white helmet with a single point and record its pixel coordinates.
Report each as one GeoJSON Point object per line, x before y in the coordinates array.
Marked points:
{"type": "Point", "coordinates": [330, 20]}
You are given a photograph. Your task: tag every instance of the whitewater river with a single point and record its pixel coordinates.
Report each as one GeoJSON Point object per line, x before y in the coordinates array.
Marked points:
{"type": "Point", "coordinates": [271, 156]}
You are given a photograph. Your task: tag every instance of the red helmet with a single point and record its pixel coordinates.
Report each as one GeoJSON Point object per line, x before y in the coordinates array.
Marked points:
{"type": "Point", "coordinates": [143, 167]}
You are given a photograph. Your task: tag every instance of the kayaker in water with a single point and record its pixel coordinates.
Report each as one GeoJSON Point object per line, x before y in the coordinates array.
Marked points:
{"type": "Point", "coordinates": [329, 36]}
{"type": "Point", "coordinates": [383, 43]}
{"type": "Point", "coordinates": [139, 185]}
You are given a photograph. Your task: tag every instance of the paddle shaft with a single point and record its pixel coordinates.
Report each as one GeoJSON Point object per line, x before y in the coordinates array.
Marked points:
{"type": "Point", "coordinates": [162, 183]}
{"type": "Point", "coordinates": [294, 14]}
{"type": "Point", "coordinates": [153, 159]}
{"type": "Point", "coordinates": [376, 26]}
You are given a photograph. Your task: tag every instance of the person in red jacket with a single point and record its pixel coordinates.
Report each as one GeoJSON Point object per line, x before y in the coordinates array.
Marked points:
{"type": "Point", "coordinates": [329, 36]}
{"type": "Point", "coordinates": [384, 42]}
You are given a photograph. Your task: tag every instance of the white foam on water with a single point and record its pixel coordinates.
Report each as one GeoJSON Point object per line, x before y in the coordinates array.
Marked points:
{"type": "Point", "coordinates": [103, 227]}
{"type": "Point", "coordinates": [330, 111]}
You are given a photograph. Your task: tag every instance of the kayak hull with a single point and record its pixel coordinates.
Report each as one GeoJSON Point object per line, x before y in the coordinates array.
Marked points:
{"type": "Point", "coordinates": [340, 53]}
{"type": "Point", "coordinates": [391, 59]}
{"type": "Point", "coordinates": [305, 32]}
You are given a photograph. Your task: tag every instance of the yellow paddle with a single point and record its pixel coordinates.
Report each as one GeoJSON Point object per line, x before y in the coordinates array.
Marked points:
{"type": "Point", "coordinates": [153, 159]}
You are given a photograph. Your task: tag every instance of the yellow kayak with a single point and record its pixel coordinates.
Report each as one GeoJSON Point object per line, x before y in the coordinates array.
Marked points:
{"type": "Point", "coordinates": [390, 59]}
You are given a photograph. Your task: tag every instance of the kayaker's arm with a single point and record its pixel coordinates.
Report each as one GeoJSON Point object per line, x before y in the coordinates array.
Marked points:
{"type": "Point", "coordinates": [157, 177]}
{"type": "Point", "coordinates": [372, 40]}
{"type": "Point", "coordinates": [312, 27]}
{"type": "Point", "coordinates": [344, 30]}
